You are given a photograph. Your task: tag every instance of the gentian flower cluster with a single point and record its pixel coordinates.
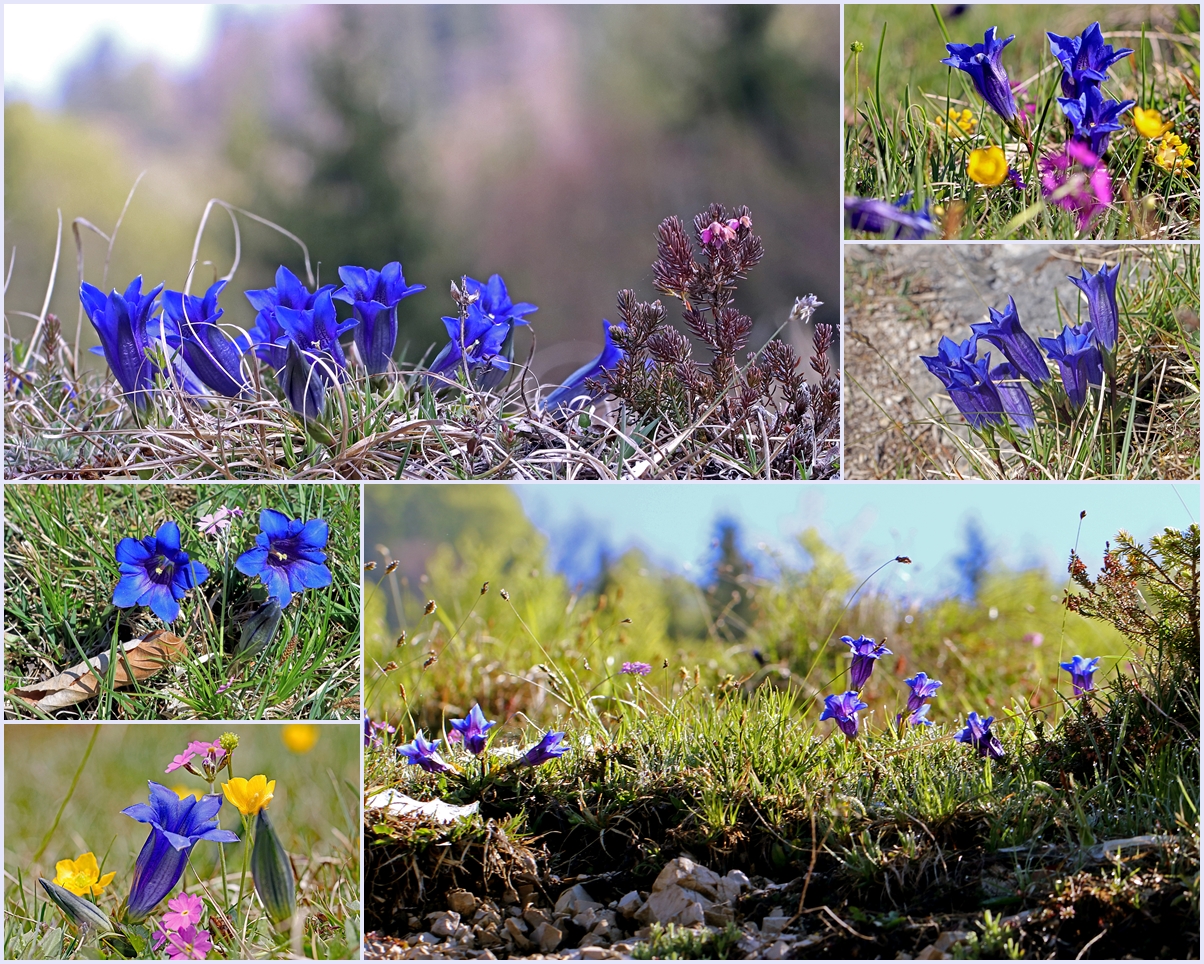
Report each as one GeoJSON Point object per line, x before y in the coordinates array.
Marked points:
{"type": "Point", "coordinates": [471, 733]}
{"type": "Point", "coordinates": [482, 338]}
{"type": "Point", "coordinates": [921, 689]}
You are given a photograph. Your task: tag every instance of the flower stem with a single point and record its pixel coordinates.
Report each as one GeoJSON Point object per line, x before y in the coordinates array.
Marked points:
{"type": "Point", "coordinates": [221, 851]}
{"type": "Point", "coordinates": [246, 857]}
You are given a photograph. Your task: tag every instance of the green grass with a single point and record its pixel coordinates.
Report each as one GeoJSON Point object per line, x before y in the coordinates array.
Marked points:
{"type": "Point", "coordinates": [898, 94]}
{"type": "Point", "coordinates": [60, 573]}
{"type": "Point", "coordinates": [900, 825]}
{"type": "Point", "coordinates": [48, 818]}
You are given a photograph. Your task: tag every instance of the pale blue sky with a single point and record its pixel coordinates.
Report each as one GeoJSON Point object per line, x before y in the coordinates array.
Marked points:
{"type": "Point", "coordinates": [1025, 524]}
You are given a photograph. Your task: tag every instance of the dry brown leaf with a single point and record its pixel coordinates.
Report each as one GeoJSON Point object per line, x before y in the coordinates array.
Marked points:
{"type": "Point", "coordinates": [145, 657]}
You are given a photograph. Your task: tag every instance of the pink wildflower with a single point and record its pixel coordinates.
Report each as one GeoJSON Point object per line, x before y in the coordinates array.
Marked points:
{"type": "Point", "coordinates": [216, 521]}
{"type": "Point", "coordinates": [184, 909]}
{"type": "Point", "coordinates": [189, 944]}
{"type": "Point", "coordinates": [719, 234]}
{"type": "Point", "coordinates": [636, 669]}
{"type": "Point", "coordinates": [1076, 179]}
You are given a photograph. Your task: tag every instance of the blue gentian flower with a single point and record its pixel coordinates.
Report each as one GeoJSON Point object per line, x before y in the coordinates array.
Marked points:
{"type": "Point", "coordinates": [548, 748]}
{"type": "Point", "coordinates": [215, 359]}
{"type": "Point", "coordinates": [1085, 59]}
{"type": "Point", "coordinates": [288, 555]}
{"type": "Point", "coordinates": [844, 709]}
{"type": "Point", "coordinates": [494, 300]}
{"type": "Point", "coordinates": [176, 826]}
{"type": "Point", "coordinates": [316, 332]}
{"type": "Point", "coordinates": [485, 339]}
{"type": "Point", "coordinates": [421, 752]}
{"type": "Point", "coordinates": [123, 322]}
{"type": "Point", "coordinates": [978, 734]}
{"type": "Point", "coordinates": [1100, 289]}
{"type": "Point", "coordinates": [1081, 672]}
{"type": "Point", "coordinates": [1005, 332]}
{"type": "Point", "coordinates": [1078, 359]}
{"type": "Point", "coordinates": [268, 336]}
{"type": "Point", "coordinates": [304, 388]}
{"type": "Point", "coordinates": [919, 716]}
{"type": "Point", "coordinates": [984, 63]}
{"type": "Point", "coordinates": [967, 381]}
{"type": "Point", "coordinates": [374, 296]}
{"type": "Point", "coordinates": [156, 572]}
{"type": "Point", "coordinates": [575, 394]}
{"type": "Point", "coordinates": [1016, 403]}
{"type": "Point", "coordinates": [865, 653]}
{"type": "Point", "coordinates": [951, 354]}
{"type": "Point", "coordinates": [1095, 118]}
{"type": "Point", "coordinates": [889, 220]}
{"type": "Point", "coordinates": [921, 688]}
{"type": "Point", "coordinates": [472, 730]}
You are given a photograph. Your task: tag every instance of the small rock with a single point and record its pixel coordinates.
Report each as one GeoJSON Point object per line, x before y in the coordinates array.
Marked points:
{"type": "Point", "coordinates": [461, 901]}
{"type": "Point", "coordinates": [517, 931]}
{"type": "Point", "coordinates": [426, 937]}
{"type": "Point", "coordinates": [444, 924]}
{"type": "Point", "coordinates": [486, 915]}
{"type": "Point", "coordinates": [534, 916]}
{"type": "Point", "coordinates": [547, 936]}
{"type": "Point", "coordinates": [930, 953]}
{"type": "Point", "coordinates": [509, 895]}
{"type": "Point", "coordinates": [589, 940]}
{"type": "Point", "coordinates": [586, 919]}
{"type": "Point", "coordinates": [777, 951]}
{"type": "Point", "coordinates": [674, 905]}
{"type": "Point", "coordinates": [686, 873]}
{"type": "Point", "coordinates": [594, 953]}
{"type": "Point", "coordinates": [576, 899]}
{"type": "Point", "coordinates": [718, 915]}
{"type": "Point", "coordinates": [629, 903]}
{"type": "Point", "coordinates": [774, 923]}
{"type": "Point", "coordinates": [740, 877]}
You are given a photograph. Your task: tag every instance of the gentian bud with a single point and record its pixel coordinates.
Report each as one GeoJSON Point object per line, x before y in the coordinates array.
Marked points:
{"type": "Point", "coordinates": [272, 872]}
{"type": "Point", "coordinates": [83, 913]}
{"type": "Point", "coordinates": [260, 629]}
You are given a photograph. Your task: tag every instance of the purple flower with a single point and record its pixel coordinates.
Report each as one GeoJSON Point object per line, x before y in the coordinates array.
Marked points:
{"type": "Point", "coordinates": [1081, 671]}
{"type": "Point", "coordinates": [978, 734]}
{"type": "Point", "coordinates": [1094, 117]}
{"type": "Point", "coordinates": [984, 63]}
{"type": "Point", "coordinates": [575, 394]}
{"type": "Point", "coordinates": [843, 709]}
{"type": "Point", "coordinates": [1100, 289]}
{"type": "Point", "coordinates": [1078, 359]}
{"type": "Point", "coordinates": [184, 909]}
{"type": "Point", "coordinates": [472, 730]}
{"type": "Point", "coordinates": [176, 826]}
{"type": "Point", "coordinates": [268, 336]}
{"type": "Point", "coordinates": [865, 653]}
{"type": "Point", "coordinates": [1005, 332]}
{"type": "Point", "coordinates": [188, 944]}
{"type": "Point", "coordinates": [1085, 59]}
{"type": "Point", "coordinates": [1016, 179]}
{"type": "Point", "coordinates": [288, 555]}
{"type": "Point", "coordinates": [922, 688]}
{"type": "Point", "coordinates": [315, 331]}
{"type": "Point", "coordinates": [548, 748]}
{"type": "Point", "coordinates": [1016, 402]}
{"type": "Point", "coordinates": [304, 388]}
{"type": "Point", "coordinates": [485, 339]}
{"type": "Point", "coordinates": [216, 360]}
{"type": "Point", "coordinates": [919, 716]}
{"type": "Point", "coordinates": [1076, 180]}
{"type": "Point", "coordinates": [967, 381]}
{"type": "Point", "coordinates": [636, 669]}
{"type": "Point", "coordinates": [374, 296]}
{"type": "Point", "coordinates": [156, 572]}
{"type": "Point", "coordinates": [425, 754]}
{"type": "Point", "coordinates": [372, 731]}
{"type": "Point", "coordinates": [890, 220]}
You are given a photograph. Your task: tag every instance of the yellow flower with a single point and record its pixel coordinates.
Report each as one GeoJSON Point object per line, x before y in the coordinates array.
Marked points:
{"type": "Point", "coordinates": [958, 124]}
{"type": "Point", "coordinates": [183, 791]}
{"type": "Point", "coordinates": [987, 166]}
{"type": "Point", "coordinates": [1149, 123]}
{"type": "Point", "coordinates": [299, 737]}
{"type": "Point", "coordinates": [249, 796]}
{"type": "Point", "coordinates": [81, 876]}
{"type": "Point", "coordinates": [1172, 154]}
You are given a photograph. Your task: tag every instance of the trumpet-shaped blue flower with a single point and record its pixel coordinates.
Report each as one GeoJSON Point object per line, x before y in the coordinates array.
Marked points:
{"type": "Point", "coordinates": [919, 716]}
{"type": "Point", "coordinates": [865, 653]}
{"type": "Point", "coordinates": [423, 753]}
{"type": "Point", "coordinates": [844, 709]}
{"type": "Point", "coordinates": [921, 688]}
{"type": "Point", "coordinates": [374, 296]}
{"type": "Point", "coordinates": [288, 555]}
{"type": "Point", "coordinates": [268, 337]}
{"type": "Point", "coordinates": [1095, 118]}
{"type": "Point", "coordinates": [216, 360]}
{"type": "Point", "coordinates": [472, 730]}
{"type": "Point", "coordinates": [984, 63]}
{"type": "Point", "coordinates": [1078, 359]}
{"type": "Point", "coordinates": [316, 332]}
{"type": "Point", "coordinates": [978, 734]}
{"type": "Point", "coordinates": [1100, 289]}
{"type": "Point", "coordinates": [156, 572]}
{"type": "Point", "coordinates": [1005, 332]}
{"type": "Point", "coordinates": [176, 827]}
{"type": "Point", "coordinates": [967, 381]}
{"type": "Point", "coordinates": [1085, 59]}
{"type": "Point", "coordinates": [494, 301]}
{"type": "Point", "coordinates": [484, 340]}
{"type": "Point", "coordinates": [1016, 403]}
{"type": "Point", "coordinates": [1081, 671]}
{"type": "Point", "coordinates": [890, 220]}
{"type": "Point", "coordinates": [304, 388]}
{"type": "Point", "coordinates": [950, 355]}
{"type": "Point", "coordinates": [575, 394]}
{"type": "Point", "coordinates": [548, 748]}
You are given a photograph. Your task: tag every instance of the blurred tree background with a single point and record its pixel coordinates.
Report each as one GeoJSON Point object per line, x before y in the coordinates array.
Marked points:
{"type": "Point", "coordinates": [544, 143]}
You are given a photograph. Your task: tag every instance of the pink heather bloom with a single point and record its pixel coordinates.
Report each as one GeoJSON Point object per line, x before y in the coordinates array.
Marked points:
{"type": "Point", "coordinates": [636, 669]}
{"type": "Point", "coordinates": [719, 234]}
{"type": "Point", "coordinates": [184, 909]}
{"type": "Point", "coordinates": [1076, 179]}
{"type": "Point", "coordinates": [188, 944]}
{"type": "Point", "coordinates": [216, 521]}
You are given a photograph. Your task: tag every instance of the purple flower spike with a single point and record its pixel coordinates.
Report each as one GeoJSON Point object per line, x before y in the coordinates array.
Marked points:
{"type": "Point", "coordinates": [636, 669]}
{"type": "Point", "coordinates": [1085, 59]}
{"type": "Point", "coordinates": [472, 730]}
{"type": "Point", "coordinates": [922, 688]}
{"type": "Point", "coordinates": [844, 709]}
{"type": "Point", "coordinates": [1081, 671]}
{"type": "Point", "coordinates": [1079, 360]}
{"type": "Point", "coordinates": [889, 220]}
{"type": "Point", "coordinates": [1095, 118]}
{"type": "Point", "coordinates": [984, 63]}
{"type": "Point", "coordinates": [1005, 332]}
{"type": "Point", "coordinates": [575, 394]}
{"type": "Point", "coordinates": [1016, 402]}
{"type": "Point", "coordinates": [978, 734]}
{"type": "Point", "coordinates": [865, 653]}
{"type": "Point", "coordinates": [548, 748]}
{"type": "Point", "coordinates": [374, 296]}
{"type": "Point", "coordinates": [1100, 289]}
{"type": "Point", "coordinates": [156, 572]}
{"type": "Point", "coordinates": [424, 754]}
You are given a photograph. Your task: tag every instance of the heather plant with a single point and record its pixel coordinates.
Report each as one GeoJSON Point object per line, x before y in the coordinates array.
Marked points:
{"type": "Point", "coordinates": [1046, 136]}
{"type": "Point", "coordinates": [322, 386]}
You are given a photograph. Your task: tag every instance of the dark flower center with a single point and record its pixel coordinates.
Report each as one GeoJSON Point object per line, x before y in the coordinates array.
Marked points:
{"type": "Point", "coordinates": [286, 550]}
{"type": "Point", "coordinates": [161, 570]}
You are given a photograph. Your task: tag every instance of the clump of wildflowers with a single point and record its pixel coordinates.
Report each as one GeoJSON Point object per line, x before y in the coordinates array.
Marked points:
{"type": "Point", "coordinates": [636, 669]}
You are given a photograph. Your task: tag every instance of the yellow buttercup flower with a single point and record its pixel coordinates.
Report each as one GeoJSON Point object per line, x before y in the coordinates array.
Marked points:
{"type": "Point", "coordinates": [299, 737]}
{"type": "Point", "coordinates": [958, 124]}
{"type": "Point", "coordinates": [1149, 123]}
{"type": "Point", "coordinates": [1172, 154]}
{"type": "Point", "coordinates": [987, 166]}
{"type": "Point", "coordinates": [183, 791]}
{"type": "Point", "coordinates": [249, 796]}
{"type": "Point", "coordinates": [81, 876]}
